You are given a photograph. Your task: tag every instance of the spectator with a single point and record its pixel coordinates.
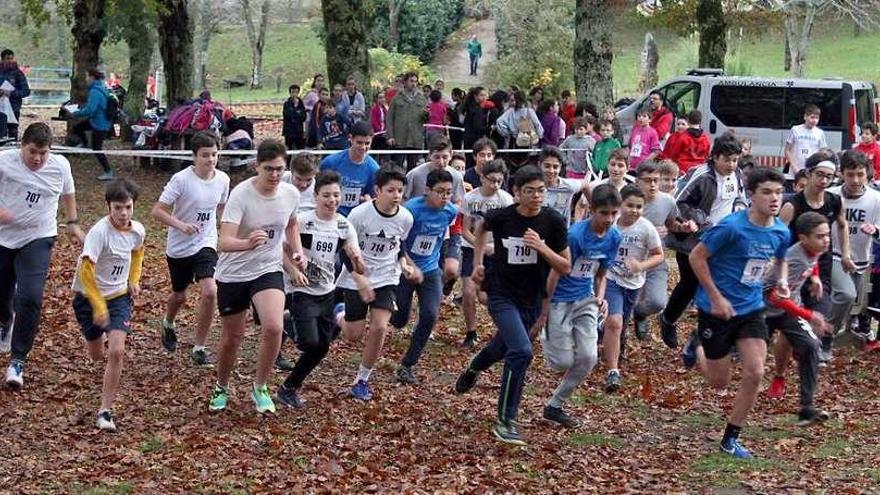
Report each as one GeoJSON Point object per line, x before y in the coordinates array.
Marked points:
{"type": "Point", "coordinates": [689, 147]}
{"type": "Point", "coordinates": [317, 116]}
{"type": "Point", "coordinates": [499, 105]}
{"type": "Point", "coordinates": [611, 116]}
{"type": "Point", "coordinates": [294, 116]}
{"type": "Point", "coordinates": [426, 91]}
{"type": "Point", "coordinates": [309, 100]}
{"type": "Point", "coordinates": [377, 120]}
{"type": "Point", "coordinates": [578, 147]}
{"type": "Point", "coordinates": [567, 109]}
{"type": "Point", "coordinates": [440, 85]}
{"type": "Point", "coordinates": [551, 123]}
{"type": "Point", "coordinates": [406, 114]}
{"type": "Point", "coordinates": [437, 113]}
{"type": "Point", "coordinates": [11, 73]}
{"type": "Point", "coordinates": [357, 105]}
{"type": "Point", "coordinates": [475, 52]}
{"type": "Point", "coordinates": [96, 120]}
{"type": "Point", "coordinates": [333, 133]}
{"type": "Point", "coordinates": [343, 107]}
{"type": "Point", "coordinates": [474, 117]}
{"type": "Point", "coordinates": [518, 119]}
{"type": "Point", "coordinates": [536, 97]}
{"type": "Point", "coordinates": [661, 117]}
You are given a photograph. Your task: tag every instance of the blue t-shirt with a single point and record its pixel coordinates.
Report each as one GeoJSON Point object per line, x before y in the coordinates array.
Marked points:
{"type": "Point", "coordinates": [426, 235]}
{"type": "Point", "coordinates": [589, 252]}
{"type": "Point", "coordinates": [742, 255]}
{"type": "Point", "coordinates": [357, 178]}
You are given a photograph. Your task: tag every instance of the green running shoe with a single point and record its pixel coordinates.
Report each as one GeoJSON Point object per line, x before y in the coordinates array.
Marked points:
{"type": "Point", "coordinates": [219, 398]}
{"type": "Point", "coordinates": [263, 400]}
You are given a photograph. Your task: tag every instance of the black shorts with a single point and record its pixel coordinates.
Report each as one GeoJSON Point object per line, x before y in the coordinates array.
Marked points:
{"type": "Point", "coordinates": [235, 297]}
{"type": "Point", "coordinates": [185, 271]}
{"type": "Point", "coordinates": [467, 262]}
{"type": "Point", "coordinates": [719, 336]}
{"type": "Point", "coordinates": [313, 319]}
{"type": "Point", "coordinates": [356, 309]}
{"type": "Point", "coordinates": [119, 309]}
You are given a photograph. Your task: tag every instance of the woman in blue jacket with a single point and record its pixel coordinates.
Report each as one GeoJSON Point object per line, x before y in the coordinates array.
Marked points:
{"type": "Point", "coordinates": [96, 120]}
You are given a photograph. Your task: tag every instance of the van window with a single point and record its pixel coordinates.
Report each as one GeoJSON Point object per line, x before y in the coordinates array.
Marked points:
{"type": "Point", "coordinates": [827, 99]}
{"type": "Point", "coordinates": [681, 97]}
{"type": "Point", "coordinates": [748, 106]}
{"type": "Point", "coordinates": [864, 106]}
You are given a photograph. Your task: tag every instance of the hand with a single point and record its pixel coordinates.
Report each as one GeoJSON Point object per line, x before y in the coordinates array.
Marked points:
{"type": "Point", "coordinates": [101, 321]}
{"type": "Point", "coordinates": [299, 279]}
{"type": "Point", "coordinates": [76, 233]}
{"type": "Point", "coordinates": [533, 240]}
{"type": "Point", "coordinates": [6, 216]}
{"type": "Point", "coordinates": [357, 262]}
{"type": "Point", "coordinates": [602, 305]}
{"type": "Point", "coordinates": [366, 293]}
{"type": "Point", "coordinates": [722, 308]}
{"type": "Point", "coordinates": [257, 238]}
{"type": "Point", "coordinates": [134, 290]}
{"type": "Point", "coordinates": [688, 227]}
{"type": "Point", "coordinates": [632, 265]}
{"type": "Point", "coordinates": [299, 260]}
{"type": "Point", "coordinates": [848, 265]}
{"type": "Point", "coordinates": [479, 274]}
{"type": "Point", "coordinates": [390, 142]}
{"type": "Point", "coordinates": [189, 228]}
{"type": "Point", "coordinates": [782, 290]}
{"type": "Point", "coordinates": [816, 288]}
{"type": "Point", "coordinates": [414, 275]}
{"type": "Point", "coordinates": [539, 325]}
{"type": "Point", "coordinates": [868, 228]}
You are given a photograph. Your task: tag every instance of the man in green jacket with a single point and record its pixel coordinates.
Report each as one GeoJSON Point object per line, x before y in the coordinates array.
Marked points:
{"type": "Point", "coordinates": [406, 114]}
{"type": "Point", "coordinates": [475, 51]}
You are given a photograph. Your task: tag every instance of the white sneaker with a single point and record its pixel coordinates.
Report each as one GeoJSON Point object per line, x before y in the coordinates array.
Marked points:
{"type": "Point", "coordinates": [105, 421]}
{"type": "Point", "coordinates": [6, 337]}
{"type": "Point", "coordinates": [15, 375]}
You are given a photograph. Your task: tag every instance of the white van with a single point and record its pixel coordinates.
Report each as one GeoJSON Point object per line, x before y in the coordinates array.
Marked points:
{"type": "Point", "coordinates": [764, 109]}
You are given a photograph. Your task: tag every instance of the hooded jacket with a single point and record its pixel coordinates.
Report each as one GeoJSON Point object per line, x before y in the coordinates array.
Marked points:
{"type": "Point", "coordinates": [96, 106]}
{"type": "Point", "coordinates": [10, 72]}
{"type": "Point", "coordinates": [688, 148]}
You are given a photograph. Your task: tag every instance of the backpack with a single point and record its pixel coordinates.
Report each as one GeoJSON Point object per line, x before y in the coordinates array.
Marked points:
{"type": "Point", "coordinates": [112, 109]}
{"type": "Point", "coordinates": [526, 135]}
{"type": "Point", "coordinates": [179, 119]}
{"type": "Point", "coordinates": [204, 116]}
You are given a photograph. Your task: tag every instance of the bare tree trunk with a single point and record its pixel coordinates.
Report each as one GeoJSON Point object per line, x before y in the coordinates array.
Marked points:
{"type": "Point", "coordinates": [592, 52]}
{"type": "Point", "coordinates": [140, 36]}
{"type": "Point", "coordinates": [346, 42]}
{"type": "Point", "coordinates": [799, 30]}
{"type": "Point", "coordinates": [650, 59]}
{"type": "Point", "coordinates": [88, 34]}
{"type": "Point", "coordinates": [257, 39]}
{"type": "Point", "coordinates": [713, 34]}
{"type": "Point", "coordinates": [176, 47]}
{"type": "Point", "coordinates": [786, 62]}
{"type": "Point", "coordinates": [394, 8]}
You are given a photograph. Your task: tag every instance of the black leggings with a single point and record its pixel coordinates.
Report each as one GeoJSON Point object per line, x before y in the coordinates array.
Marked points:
{"type": "Point", "coordinates": [315, 330]}
{"type": "Point", "coordinates": [97, 141]}
{"type": "Point", "coordinates": [684, 291]}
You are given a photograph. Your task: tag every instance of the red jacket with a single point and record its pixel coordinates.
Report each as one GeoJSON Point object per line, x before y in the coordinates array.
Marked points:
{"type": "Point", "coordinates": [872, 151]}
{"type": "Point", "coordinates": [661, 121]}
{"type": "Point", "coordinates": [688, 149]}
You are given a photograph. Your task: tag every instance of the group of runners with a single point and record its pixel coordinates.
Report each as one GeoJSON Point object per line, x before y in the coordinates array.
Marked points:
{"type": "Point", "coordinates": [315, 251]}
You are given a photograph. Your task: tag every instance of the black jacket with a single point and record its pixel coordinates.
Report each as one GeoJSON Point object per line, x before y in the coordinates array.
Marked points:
{"type": "Point", "coordinates": [294, 119]}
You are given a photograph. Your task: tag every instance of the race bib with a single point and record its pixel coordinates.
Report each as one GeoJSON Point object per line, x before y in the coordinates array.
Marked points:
{"type": "Point", "coordinates": [273, 233]}
{"type": "Point", "coordinates": [323, 247]}
{"type": "Point", "coordinates": [584, 268]}
{"type": "Point", "coordinates": [728, 189]}
{"type": "Point", "coordinates": [203, 216]}
{"type": "Point", "coordinates": [636, 149]}
{"type": "Point", "coordinates": [753, 273]}
{"type": "Point", "coordinates": [518, 253]}
{"type": "Point", "coordinates": [377, 246]}
{"type": "Point", "coordinates": [423, 245]}
{"type": "Point", "coordinates": [351, 196]}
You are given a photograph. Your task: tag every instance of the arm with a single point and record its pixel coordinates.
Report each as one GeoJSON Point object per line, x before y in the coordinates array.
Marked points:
{"type": "Point", "coordinates": [655, 257]}
{"type": "Point", "coordinates": [160, 212]}
{"type": "Point", "coordinates": [229, 241]}
{"type": "Point", "coordinates": [786, 213]}
{"type": "Point", "coordinates": [536, 122]}
{"type": "Point", "coordinates": [68, 202]}
{"type": "Point", "coordinates": [390, 115]}
{"type": "Point", "coordinates": [22, 89]}
{"type": "Point", "coordinates": [91, 106]}
{"type": "Point", "coordinates": [479, 250]}
{"type": "Point", "coordinates": [699, 259]}
{"type": "Point", "coordinates": [134, 273]}
{"type": "Point", "coordinates": [561, 262]}
{"type": "Point", "coordinates": [843, 231]}
{"type": "Point", "coordinates": [93, 293]}
{"type": "Point", "coordinates": [294, 243]}
{"type": "Point", "coordinates": [466, 232]}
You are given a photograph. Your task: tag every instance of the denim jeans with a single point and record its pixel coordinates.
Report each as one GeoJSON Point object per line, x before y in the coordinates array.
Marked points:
{"type": "Point", "coordinates": [510, 343]}
{"type": "Point", "coordinates": [23, 274]}
{"type": "Point", "coordinates": [430, 292]}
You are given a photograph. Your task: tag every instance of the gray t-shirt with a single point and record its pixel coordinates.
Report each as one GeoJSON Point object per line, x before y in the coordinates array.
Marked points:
{"type": "Point", "coordinates": [660, 209]}
{"type": "Point", "coordinates": [636, 241]}
{"type": "Point", "coordinates": [417, 178]}
{"type": "Point", "coordinates": [800, 268]}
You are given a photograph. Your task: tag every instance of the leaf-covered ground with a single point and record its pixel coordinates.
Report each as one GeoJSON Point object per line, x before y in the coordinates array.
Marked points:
{"type": "Point", "coordinates": [658, 435]}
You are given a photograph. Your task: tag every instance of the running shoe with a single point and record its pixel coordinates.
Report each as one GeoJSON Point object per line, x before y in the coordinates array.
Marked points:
{"type": "Point", "coordinates": [6, 337]}
{"type": "Point", "coordinates": [105, 421]}
{"type": "Point", "coordinates": [466, 381]}
{"type": "Point", "coordinates": [669, 333]}
{"type": "Point", "coordinates": [777, 388]}
{"type": "Point", "coordinates": [872, 346]}
{"type": "Point", "coordinates": [262, 399]}
{"type": "Point", "coordinates": [283, 364]}
{"type": "Point", "coordinates": [361, 391]}
{"type": "Point", "coordinates": [507, 432]}
{"type": "Point", "coordinates": [732, 447]}
{"type": "Point", "coordinates": [559, 416]}
{"type": "Point", "coordinates": [689, 351]}
{"type": "Point", "coordinates": [106, 176]}
{"type": "Point", "coordinates": [289, 397]}
{"type": "Point", "coordinates": [219, 398]}
{"type": "Point", "coordinates": [405, 375]}
{"type": "Point", "coordinates": [470, 340]}
{"type": "Point", "coordinates": [641, 328]}
{"type": "Point", "coordinates": [169, 336]}
{"type": "Point", "coordinates": [201, 358]}
{"type": "Point", "coordinates": [15, 375]}
{"type": "Point", "coordinates": [809, 416]}
{"type": "Point", "coordinates": [339, 314]}
{"type": "Point", "coordinates": [613, 382]}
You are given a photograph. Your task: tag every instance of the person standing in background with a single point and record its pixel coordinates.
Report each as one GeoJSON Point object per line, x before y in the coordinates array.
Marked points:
{"type": "Point", "coordinates": [475, 51]}
{"type": "Point", "coordinates": [12, 74]}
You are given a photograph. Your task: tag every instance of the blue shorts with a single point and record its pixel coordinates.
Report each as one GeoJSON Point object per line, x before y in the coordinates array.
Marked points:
{"type": "Point", "coordinates": [120, 316]}
{"type": "Point", "coordinates": [621, 300]}
{"type": "Point", "coordinates": [467, 262]}
{"type": "Point", "coordinates": [451, 248]}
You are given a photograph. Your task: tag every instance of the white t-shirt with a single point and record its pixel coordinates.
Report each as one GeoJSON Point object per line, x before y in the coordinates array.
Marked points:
{"type": "Point", "coordinates": [635, 242]}
{"type": "Point", "coordinates": [725, 197]}
{"type": "Point", "coordinates": [194, 200]}
{"type": "Point", "coordinates": [559, 196]}
{"type": "Point", "coordinates": [252, 211]}
{"type": "Point", "coordinates": [31, 197]}
{"type": "Point", "coordinates": [380, 238]}
{"type": "Point", "coordinates": [306, 196]}
{"type": "Point", "coordinates": [858, 211]}
{"type": "Point", "coordinates": [806, 142]}
{"type": "Point", "coordinates": [475, 205]}
{"type": "Point", "coordinates": [322, 240]}
{"type": "Point", "coordinates": [110, 250]}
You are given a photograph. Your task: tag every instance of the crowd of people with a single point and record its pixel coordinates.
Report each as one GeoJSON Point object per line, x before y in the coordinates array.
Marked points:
{"type": "Point", "coordinates": [565, 245]}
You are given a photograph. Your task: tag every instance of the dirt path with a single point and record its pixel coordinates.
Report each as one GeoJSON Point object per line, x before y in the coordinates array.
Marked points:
{"type": "Point", "coordinates": [451, 62]}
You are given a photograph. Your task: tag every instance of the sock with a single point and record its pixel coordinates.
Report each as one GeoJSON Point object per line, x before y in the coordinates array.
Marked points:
{"type": "Point", "coordinates": [363, 373]}
{"type": "Point", "coordinates": [167, 322]}
{"type": "Point", "coordinates": [731, 431]}
{"type": "Point", "coordinates": [197, 348]}
{"type": "Point", "coordinates": [615, 370]}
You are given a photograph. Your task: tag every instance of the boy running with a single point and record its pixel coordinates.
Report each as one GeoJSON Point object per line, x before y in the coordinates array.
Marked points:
{"type": "Point", "coordinates": [432, 214]}
{"type": "Point", "coordinates": [488, 197]}
{"type": "Point", "coordinates": [302, 176]}
{"type": "Point", "coordinates": [189, 206]}
{"type": "Point", "coordinates": [355, 167]}
{"type": "Point", "coordinates": [730, 262]}
{"type": "Point", "coordinates": [260, 214]}
{"type": "Point", "coordinates": [576, 300]}
{"type": "Point", "coordinates": [530, 240]}
{"type": "Point", "coordinates": [640, 250]}
{"type": "Point", "coordinates": [560, 190]}
{"type": "Point", "coordinates": [381, 226]}
{"type": "Point", "coordinates": [107, 279]}
{"type": "Point", "coordinates": [325, 235]}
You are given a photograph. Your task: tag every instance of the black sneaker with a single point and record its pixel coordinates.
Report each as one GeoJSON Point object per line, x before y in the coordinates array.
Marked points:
{"type": "Point", "coordinates": [669, 333]}
{"type": "Point", "coordinates": [201, 358]}
{"type": "Point", "coordinates": [809, 416]}
{"type": "Point", "coordinates": [405, 375]}
{"type": "Point", "coordinates": [169, 337]}
{"type": "Point", "coordinates": [289, 397]}
{"type": "Point", "coordinates": [470, 340]}
{"type": "Point", "coordinates": [466, 381]}
{"type": "Point", "coordinates": [508, 433]}
{"type": "Point", "coordinates": [558, 415]}
{"type": "Point", "coordinates": [612, 383]}
{"type": "Point", "coordinates": [105, 421]}
{"type": "Point", "coordinates": [641, 325]}
{"type": "Point", "coordinates": [283, 364]}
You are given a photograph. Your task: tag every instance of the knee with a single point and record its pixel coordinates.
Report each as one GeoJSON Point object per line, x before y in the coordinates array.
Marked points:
{"type": "Point", "coordinates": [209, 292]}
{"type": "Point", "coordinates": [521, 355]}
{"type": "Point", "coordinates": [116, 354]}
{"type": "Point", "coordinates": [450, 271]}
{"type": "Point", "coordinates": [752, 375]}
{"type": "Point", "coordinates": [272, 329]}
{"type": "Point", "coordinates": [561, 361]}
{"type": "Point", "coordinates": [653, 305]}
